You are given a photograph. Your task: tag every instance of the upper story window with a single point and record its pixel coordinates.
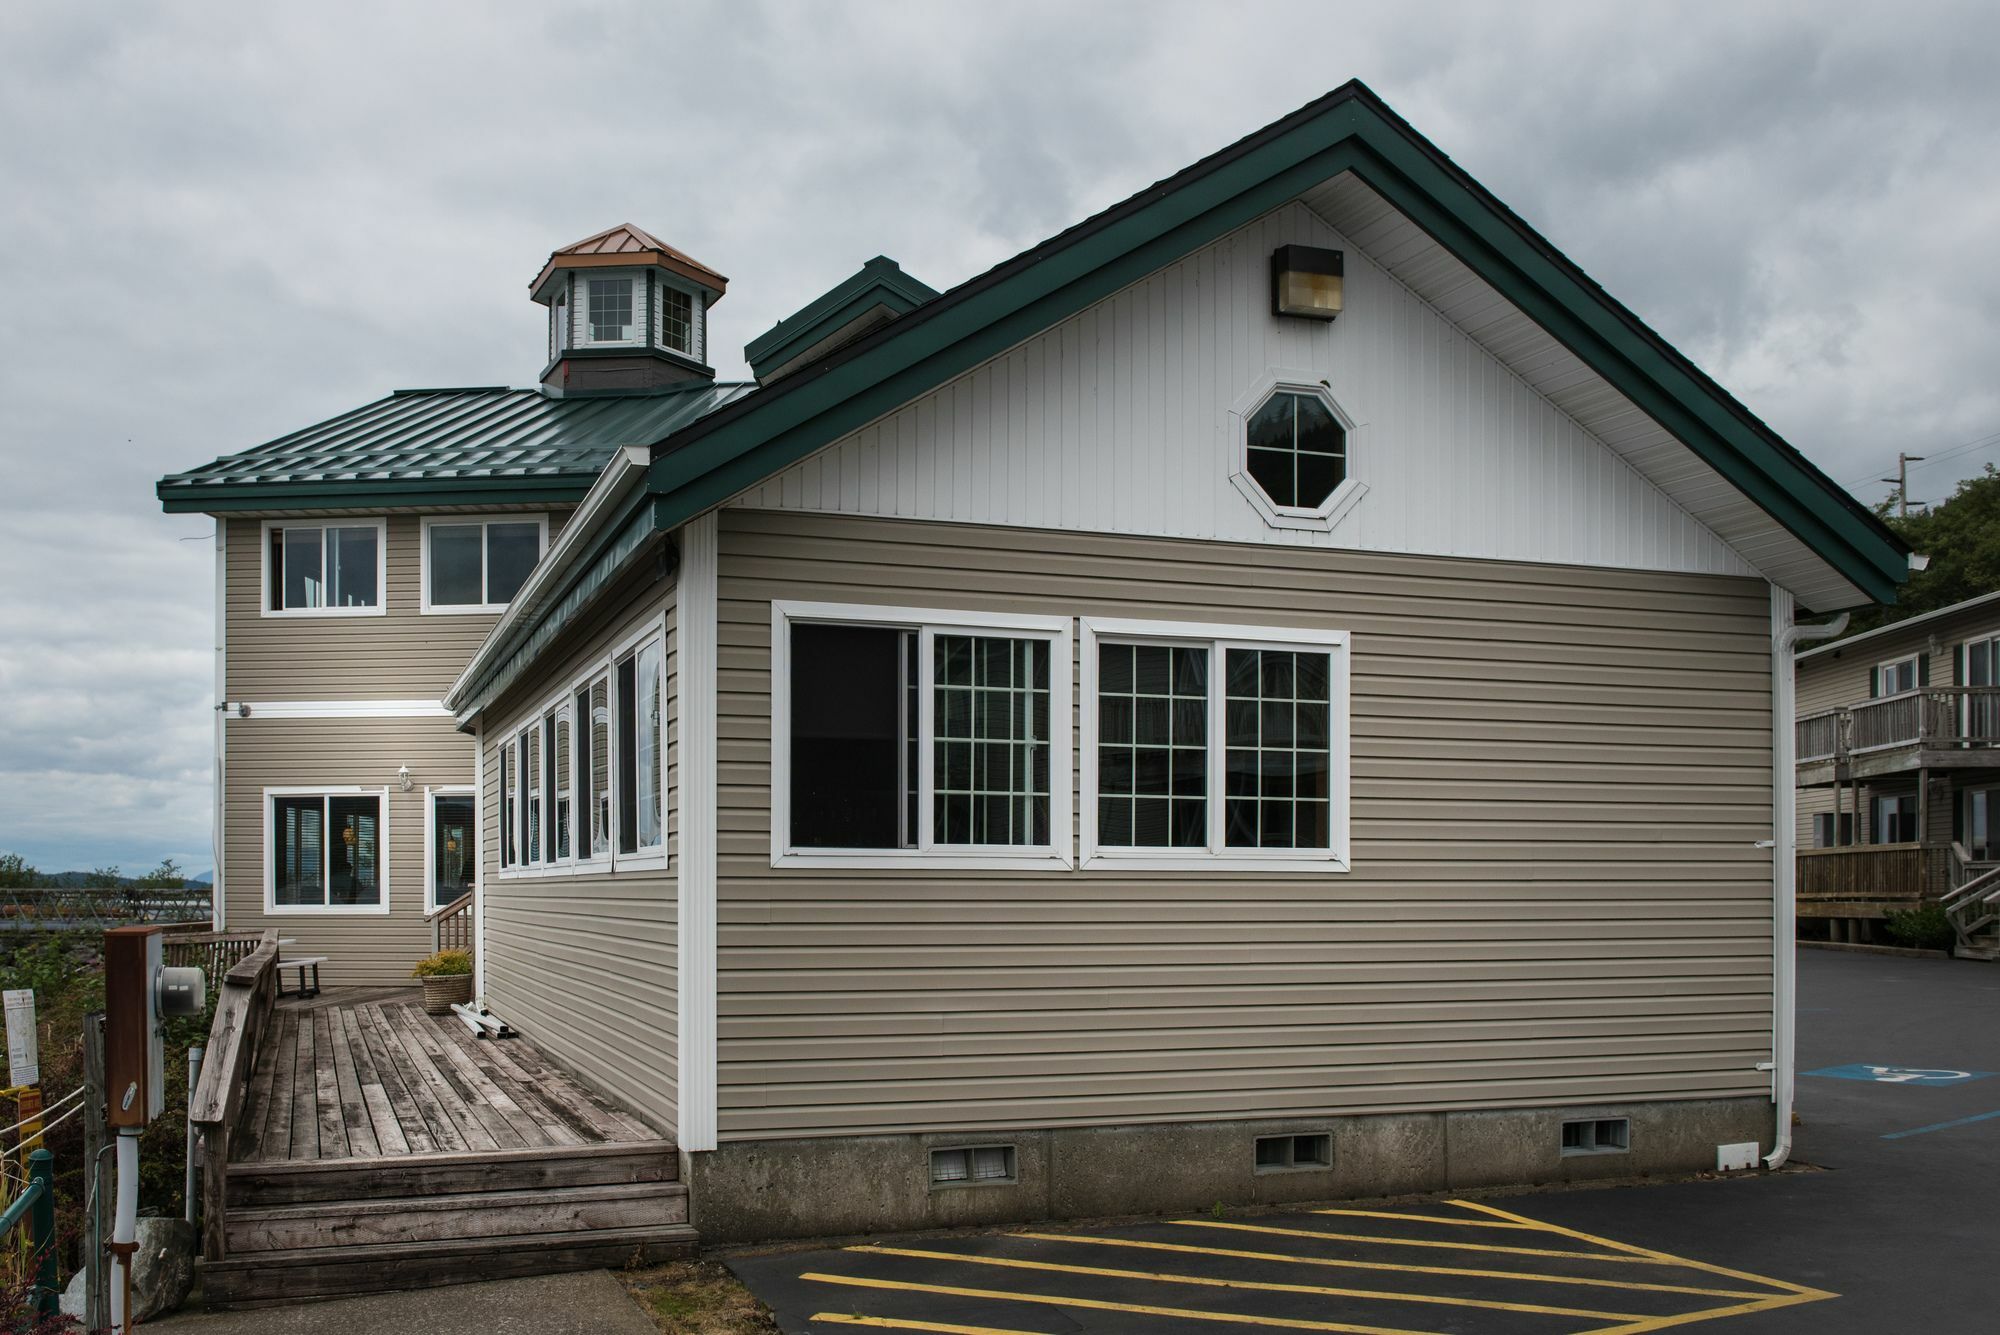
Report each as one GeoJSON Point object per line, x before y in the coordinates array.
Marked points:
{"type": "Point", "coordinates": [610, 310]}
{"type": "Point", "coordinates": [676, 320]}
{"type": "Point", "coordinates": [904, 737]}
{"type": "Point", "coordinates": [1896, 676]}
{"type": "Point", "coordinates": [1296, 450]}
{"type": "Point", "coordinates": [1214, 746]}
{"type": "Point", "coordinates": [332, 569]}
{"type": "Point", "coordinates": [479, 565]}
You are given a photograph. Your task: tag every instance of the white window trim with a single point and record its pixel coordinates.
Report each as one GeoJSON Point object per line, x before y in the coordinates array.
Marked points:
{"type": "Point", "coordinates": [1916, 662]}
{"type": "Point", "coordinates": [1326, 516]}
{"type": "Point", "coordinates": [381, 607]}
{"type": "Point", "coordinates": [1057, 854]}
{"type": "Point", "coordinates": [587, 326]}
{"type": "Point", "coordinates": [612, 862]}
{"type": "Point", "coordinates": [1337, 858]}
{"type": "Point", "coordinates": [424, 564]}
{"type": "Point", "coordinates": [431, 794]}
{"type": "Point", "coordinates": [271, 906]}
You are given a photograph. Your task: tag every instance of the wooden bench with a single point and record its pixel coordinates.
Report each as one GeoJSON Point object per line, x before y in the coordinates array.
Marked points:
{"type": "Point", "coordinates": [303, 964]}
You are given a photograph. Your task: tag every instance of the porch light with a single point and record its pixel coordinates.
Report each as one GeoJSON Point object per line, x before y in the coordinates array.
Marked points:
{"type": "Point", "coordinates": [1305, 281]}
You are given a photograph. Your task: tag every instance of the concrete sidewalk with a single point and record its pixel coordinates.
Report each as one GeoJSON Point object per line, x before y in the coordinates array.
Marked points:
{"type": "Point", "coordinates": [592, 1303]}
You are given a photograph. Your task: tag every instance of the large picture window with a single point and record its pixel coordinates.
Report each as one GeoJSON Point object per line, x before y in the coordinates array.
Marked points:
{"type": "Point", "coordinates": [328, 851]}
{"type": "Point", "coordinates": [1214, 746]}
{"type": "Point", "coordinates": [903, 735]}
{"type": "Point", "coordinates": [332, 569]}
{"type": "Point", "coordinates": [479, 565]}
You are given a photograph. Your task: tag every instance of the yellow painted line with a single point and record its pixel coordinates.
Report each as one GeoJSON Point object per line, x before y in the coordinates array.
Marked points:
{"type": "Point", "coordinates": [1713, 1314]}
{"type": "Point", "coordinates": [1251, 1285]}
{"type": "Point", "coordinates": [893, 1323]}
{"type": "Point", "coordinates": [1427, 1219]}
{"type": "Point", "coordinates": [1422, 1242]}
{"type": "Point", "coordinates": [1458, 1272]}
{"type": "Point", "coordinates": [1102, 1305]}
{"type": "Point", "coordinates": [1802, 1291]}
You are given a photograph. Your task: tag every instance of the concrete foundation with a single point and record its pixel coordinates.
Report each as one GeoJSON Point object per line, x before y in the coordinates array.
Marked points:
{"type": "Point", "coordinates": [749, 1191]}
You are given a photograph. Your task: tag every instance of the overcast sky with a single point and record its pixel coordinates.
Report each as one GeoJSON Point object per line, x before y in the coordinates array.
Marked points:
{"type": "Point", "coordinates": [222, 223]}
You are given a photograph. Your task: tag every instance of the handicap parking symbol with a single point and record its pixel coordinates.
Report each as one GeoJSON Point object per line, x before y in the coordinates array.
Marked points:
{"type": "Point", "coordinates": [1932, 1077]}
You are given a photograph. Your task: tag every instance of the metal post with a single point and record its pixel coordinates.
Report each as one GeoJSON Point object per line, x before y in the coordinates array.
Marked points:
{"type": "Point", "coordinates": [42, 1232]}
{"type": "Point", "coordinates": [191, 1194]}
{"type": "Point", "coordinates": [96, 1289]}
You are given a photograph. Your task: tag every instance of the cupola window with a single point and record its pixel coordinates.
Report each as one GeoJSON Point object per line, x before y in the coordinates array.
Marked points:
{"type": "Point", "coordinates": [1297, 450]}
{"type": "Point", "coordinates": [676, 320]}
{"type": "Point", "coordinates": [610, 310]}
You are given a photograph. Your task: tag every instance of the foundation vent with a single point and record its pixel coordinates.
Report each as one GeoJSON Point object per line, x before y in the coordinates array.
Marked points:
{"type": "Point", "coordinates": [1276, 1154]}
{"type": "Point", "coordinates": [1597, 1135]}
{"type": "Point", "coordinates": [973, 1166]}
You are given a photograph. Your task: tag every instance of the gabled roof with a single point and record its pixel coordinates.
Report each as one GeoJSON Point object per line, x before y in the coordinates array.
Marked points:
{"type": "Point", "coordinates": [1695, 441]}
{"type": "Point", "coordinates": [1922, 619]}
{"type": "Point", "coordinates": [626, 244]}
{"type": "Point", "coordinates": [880, 283]}
{"type": "Point", "coordinates": [441, 447]}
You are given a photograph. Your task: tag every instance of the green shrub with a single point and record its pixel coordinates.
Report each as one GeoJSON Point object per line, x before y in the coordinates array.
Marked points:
{"type": "Point", "coordinates": [444, 964]}
{"type": "Point", "coordinates": [1924, 928]}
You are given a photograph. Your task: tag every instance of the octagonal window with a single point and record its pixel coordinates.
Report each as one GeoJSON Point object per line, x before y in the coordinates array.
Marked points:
{"type": "Point", "coordinates": [1297, 449]}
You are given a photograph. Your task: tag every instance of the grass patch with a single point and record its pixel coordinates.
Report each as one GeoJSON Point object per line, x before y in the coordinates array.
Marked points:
{"type": "Point", "coordinates": [698, 1298]}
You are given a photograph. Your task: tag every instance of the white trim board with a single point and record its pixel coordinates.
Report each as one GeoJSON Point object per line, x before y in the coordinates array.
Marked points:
{"type": "Point", "coordinates": [697, 603]}
{"type": "Point", "coordinates": [333, 709]}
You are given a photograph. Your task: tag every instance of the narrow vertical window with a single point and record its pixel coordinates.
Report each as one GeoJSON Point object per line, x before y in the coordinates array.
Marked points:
{"type": "Point", "coordinates": [991, 774]}
{"type": "Point", "coordinates": [299, 857]}
{"type": "Point", "coordinates": [531, 784]}
{"type": "Point", "coordinates": [600, 767]}
{"type": "Point", "coordinates": [1152, 747]}
{"type": "Point", "coordinates": [559, 782]}
{"type": "Point", "coordinates": [610, 310]}
{"type": "Point", "coordinates": [454, 846]}
{"type": "Point", "coordinates": [628, 728]}
{"type": "Point", "coordinates": [506, 804]}
{"type": "Point", "coordinates": [1277, 734]}
{"type": "Point", "coordinates": [646, 745]}
{"type": "Point", "coordinates": [676, 320]}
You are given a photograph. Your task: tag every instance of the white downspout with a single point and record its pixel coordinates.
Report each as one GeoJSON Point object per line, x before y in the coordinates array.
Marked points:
{"type": "Point", "coordinates": [1784, 859]}
{"type": "Point", "coordinates": [217, 892]}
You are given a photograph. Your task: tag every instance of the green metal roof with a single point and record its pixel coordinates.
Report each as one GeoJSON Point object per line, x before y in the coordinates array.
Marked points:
{"type": "Point", "coordinates": [880, 282]}
{"type": "Point", "coordinates": [442, 447]}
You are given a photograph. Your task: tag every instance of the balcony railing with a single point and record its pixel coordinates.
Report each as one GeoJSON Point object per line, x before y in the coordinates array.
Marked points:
{"type": "Point", "coordinates": [1937, 718]}
{"type": "Point", "coordinates": [1873, 873]}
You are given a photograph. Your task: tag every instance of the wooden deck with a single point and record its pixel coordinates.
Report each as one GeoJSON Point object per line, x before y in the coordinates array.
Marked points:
{"type": "Point", "coordinates": [366, 1074]}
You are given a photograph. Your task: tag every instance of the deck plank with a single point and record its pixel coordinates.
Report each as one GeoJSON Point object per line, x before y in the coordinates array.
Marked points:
{"type": "Point", "coordinates": [469, 1127]}
{"type": "Point", "coordinates": [355, 1117]}
{"type": "Point", "coordinates": [375, 1097]}
{"type": "Point", "coordinates": [277, 1143]}
{"type": "Point", "coordinates": [517, 1101]}
{"type": "Point", "coordinates": [248, 1140]}
{"type": "Point", "coordinates": [430, 1123]}
{"type": "Point", "coordinates": [326, 1091]}
{"type": "Point", "coordinates": [523, 1065]}
{"type": "Point", "coordinates": [412, 1026]}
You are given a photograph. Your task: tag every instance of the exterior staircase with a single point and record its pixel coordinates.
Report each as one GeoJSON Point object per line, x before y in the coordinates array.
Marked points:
{"type": "Point", "coordinates": [1974, 911]}
{"type": "Point", "coordinates": [300, 1231]}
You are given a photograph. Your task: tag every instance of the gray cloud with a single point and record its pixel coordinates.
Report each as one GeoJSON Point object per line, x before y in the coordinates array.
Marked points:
{"type": "Point", "coordinates": [226, 222]}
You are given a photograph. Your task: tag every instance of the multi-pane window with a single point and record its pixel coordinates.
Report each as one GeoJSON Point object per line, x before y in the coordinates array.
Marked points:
{"type": "Point", "coordinates": [1297, 450]}
{"type": "Point", "coordinates": [638, 688]}
{"type": "Point", "coordinates": [323, 568]}
{"type": "Point", "coordinates": [1152, 746]}
{"type": "Point", "coordinates": [327, 851]}
{"type": "Point", "coordinates": [531, 795]}
{"type": "Point", "coordinates": [1897, 676]}
{"type": "Point", "coordinates": [454, 846]}
{"type": "Point", "coordinates": [478, 565]}
{"type": "Point", "coordinates": [1222, 742]}
{"type": "Point", "coordinates": [610, 310]}
{"type": "Point", "coordinates": [676, 319]}
{"type": "Point", "coordinates": [942, 734]}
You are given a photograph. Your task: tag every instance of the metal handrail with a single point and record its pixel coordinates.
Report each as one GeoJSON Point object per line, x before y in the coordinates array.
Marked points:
{"type": "Point", "coordinates": [37, 1204]}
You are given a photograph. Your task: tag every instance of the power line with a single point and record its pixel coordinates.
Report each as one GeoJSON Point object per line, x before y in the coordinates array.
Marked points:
{"type": "Point", "coordinates": [1986, 441]}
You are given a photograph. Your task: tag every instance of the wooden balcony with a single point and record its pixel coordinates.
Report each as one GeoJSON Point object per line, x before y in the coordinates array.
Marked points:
{"type": "Point", "coordinates": [1870, 880]}
{"type": "Point", "coordinates": [1939, 727]}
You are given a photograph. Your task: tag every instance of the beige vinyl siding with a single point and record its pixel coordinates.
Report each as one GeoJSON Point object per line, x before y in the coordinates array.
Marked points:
{"type": "Point", "coordinates": [403, 654]}
{"type": "Point", "coordinates": [587, 964]}
{"type": "Point", "coordinates": [1559, 777]}
{"type": "Point", "coordinates": [363, 949]}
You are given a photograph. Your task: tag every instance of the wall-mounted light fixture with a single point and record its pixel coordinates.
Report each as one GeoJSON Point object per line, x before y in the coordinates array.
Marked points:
{"type": "Point", "coordinates": [1306, 281]}
{"type": "Point", "coordinates": [403, 777]}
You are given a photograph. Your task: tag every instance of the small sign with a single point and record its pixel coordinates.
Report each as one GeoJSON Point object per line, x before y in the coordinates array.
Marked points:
{"type": "Point", "coordinates": [24, 1058]}
{"type": "Point", "coordinates": [1929, 1076]}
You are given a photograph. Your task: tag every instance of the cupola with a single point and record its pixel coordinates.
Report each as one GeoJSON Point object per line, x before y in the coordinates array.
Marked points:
{"type": "Point", "coordinates": [628, 314]}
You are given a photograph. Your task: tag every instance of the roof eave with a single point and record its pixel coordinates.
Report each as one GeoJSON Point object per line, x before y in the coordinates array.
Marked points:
{"type": "Point", "coordinates": [227, 498]}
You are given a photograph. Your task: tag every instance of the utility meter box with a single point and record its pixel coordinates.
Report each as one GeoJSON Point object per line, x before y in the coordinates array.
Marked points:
{"type": "Point", "coordinates": [138, 991]}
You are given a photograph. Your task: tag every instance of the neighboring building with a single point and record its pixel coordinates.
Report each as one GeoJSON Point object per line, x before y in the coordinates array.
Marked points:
{"type": "Point", "coordinates": [1110, 731]}
{"type": "Point", "coordinates": [1898, 755]}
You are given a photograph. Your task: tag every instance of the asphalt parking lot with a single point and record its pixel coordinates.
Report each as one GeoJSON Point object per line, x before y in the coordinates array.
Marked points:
{"type": "Point", "coordinates": [1892, 1225]}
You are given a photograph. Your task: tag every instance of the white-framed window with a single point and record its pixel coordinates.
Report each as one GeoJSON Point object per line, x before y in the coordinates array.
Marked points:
{"type": "Point", "coordinates": [1896, 676]}
{"type": "Point", "coordinates": [479, 564]}
{"type": "Point", "coordinates": [334, 567]}
{"type": "Point", "coordinates": [583, 777]}
{"type": "Point", "coordinates": [326, 850]}
{"type": "Point", "coordinates": [1214, 747]}
{"type": "Point", "coordinates": [919, 737]}
{"type": "Point", "coordinates": [676, 319]}
{"type": "Point", "coordinates": [1293, 451]}
{"type": "Point", "coordinates": [1895, 818]}
{"type": "Point", "coordinates": [451, 843]}
{"type": "Point", "coordinates": [609, 310]}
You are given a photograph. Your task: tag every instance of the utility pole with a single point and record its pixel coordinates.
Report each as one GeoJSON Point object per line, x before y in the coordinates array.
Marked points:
{"type": "Point", "coordinates": [1902, 481]}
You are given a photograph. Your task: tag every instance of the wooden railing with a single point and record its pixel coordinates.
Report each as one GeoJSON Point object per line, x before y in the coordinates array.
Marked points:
{"type": "Point", "coordinates": [1935, 718]}
{"type": "Point", "coordinates": [451, 926]}
{"type": "Point", "coordinates": [214, 953]}
{"type": "Point", "coordinates": [242, 1011]}
{"type": "Point", "coordinates": [1872, 872]}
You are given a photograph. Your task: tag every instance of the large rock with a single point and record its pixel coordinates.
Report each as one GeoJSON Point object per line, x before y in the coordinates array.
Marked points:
{"type": "Point", "coordinates": [162, 1270]}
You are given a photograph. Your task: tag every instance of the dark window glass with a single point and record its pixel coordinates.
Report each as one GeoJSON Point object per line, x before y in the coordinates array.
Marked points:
{"type": "Point", "coordinates": [298, 859]}
{"type": "Point", "coordinates": [991, 723]}
{"type": "Point", "coordinates": [303, 578]}
{"type": "Point", "coordinates": [1277, 730]}
{"type": "Point", "coordinates": [455, 567]}
{"type": "Point", "coordinates": [852, 737]}
{"type": "Point", "coordinates": [511, 552]}
{"type": "Point", "coordinates": [351, 561]}
{"type": "Point", "coordinates": [628, 768]}
{"type": "Point", "coordinates": [1152, 749]}
{"type": "Point", "coordinates": [454, 845]}
{"type": "Point", "coordinates": [610, 309]}
{"type": "Point", "coordinates": [506, 805]}
{"type": "Point", "coordinates": [1297, 450]}
{"type": "Point", "coordinates": [354, 855]}
{"type": "Point", "coordinates": [676, 320]}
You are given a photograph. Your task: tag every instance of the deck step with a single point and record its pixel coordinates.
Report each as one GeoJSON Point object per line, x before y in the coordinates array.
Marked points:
{"type": "Point", "coordinates": [329, 1225]}
{"type": "Point", "coordinates": [267, 1184]}
{"type": "Point", "coordinates": [260, 1279]}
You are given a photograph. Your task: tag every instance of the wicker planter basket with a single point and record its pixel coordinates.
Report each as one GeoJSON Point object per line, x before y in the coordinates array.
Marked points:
{"type": "Point", "coordinates": [440, 994]}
